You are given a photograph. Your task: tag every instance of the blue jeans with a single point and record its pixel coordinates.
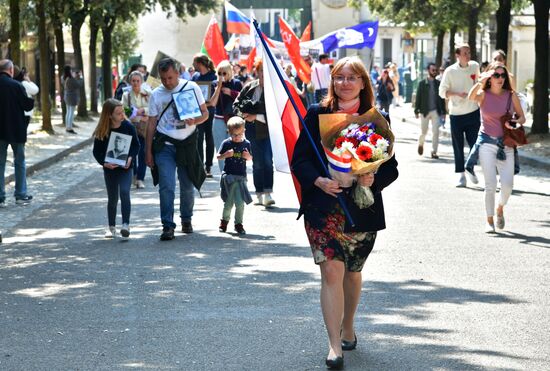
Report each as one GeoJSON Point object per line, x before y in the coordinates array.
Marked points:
{"type": "Point", "coordinates": [118, 182]}
{"type": "Point", "coordinates": [20, 169]}
{"type": "Point", "coordinates": [69, 117]}
{"type": "Point", "coordinates": [310, 98]}
{"type": "Point", "coordinates": [165, 160]}
{"type": "Point", "coordinates": [262, 164]}
{"type": "Point", "coordinates": [463, 125]}
{"type": "Point", "coordinates": [139, 165]}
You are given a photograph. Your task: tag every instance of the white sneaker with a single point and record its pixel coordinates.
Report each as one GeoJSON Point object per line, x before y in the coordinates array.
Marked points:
{"type": "Point", "coordinates": [461, 181]}
{"type": "Point", "coordinates": [125, 231]}
{"type": "Point", "coordinates": [140, 184]}
{"type": "Point", "coordinates": [472, 176]}
{"type": "Point", "coordinates": [260, 200]}
{"type": "Point", "coordinates": [110, 232]}
{"type": "Point", "coordinates": [268, 201]}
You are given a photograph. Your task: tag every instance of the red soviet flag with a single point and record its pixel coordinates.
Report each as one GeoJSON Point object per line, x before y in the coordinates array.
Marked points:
{"type": "Point", "coordinates": [306, 35]}
{"type": "Point", "coordinates": [292, 44]}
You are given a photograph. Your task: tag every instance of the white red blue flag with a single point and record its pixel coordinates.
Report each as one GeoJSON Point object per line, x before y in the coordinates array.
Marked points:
{"type": "Point", "coordinates": [338, 163]}
{"type": "Point", "coordinates": [237, 22]}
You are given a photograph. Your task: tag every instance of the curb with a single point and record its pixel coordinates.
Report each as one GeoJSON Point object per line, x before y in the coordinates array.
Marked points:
{"type": "Point", "coordinates": [534, 161]}
{"type": "Point", "coordinates": [51, 160]}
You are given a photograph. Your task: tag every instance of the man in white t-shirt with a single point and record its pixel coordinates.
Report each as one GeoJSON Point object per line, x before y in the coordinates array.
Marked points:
{"type": "Point", "coordinates": [173, 137]}
{"type": "Point", "coordinates": [456, 82]}
{"type": "Point", "coordinates": [320, 76]}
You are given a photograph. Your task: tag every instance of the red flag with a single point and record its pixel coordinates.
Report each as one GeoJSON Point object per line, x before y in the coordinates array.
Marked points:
{"type": "Point", "coordinates": [213, 44]}
{"type": "Point", "coordinates": [306, 35]}
{"type": "Point", "coordinates": [292, 44]}
{"type": "Point", "coordinates": [251, 59]}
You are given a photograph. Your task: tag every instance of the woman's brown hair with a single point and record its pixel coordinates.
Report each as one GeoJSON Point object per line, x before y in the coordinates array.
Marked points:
{"type": "Point", "coordinates": [366, 95]}
{"type": "Point", "coordinates": [205, 61]}
{"type": "Point", "coordinates": [494, 66]}
{"type": "Point", "coordinates": [104, 125]}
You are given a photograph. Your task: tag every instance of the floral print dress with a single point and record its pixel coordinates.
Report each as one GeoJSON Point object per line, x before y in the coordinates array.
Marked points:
{"type": "Point", "coordinates": [332, 243]}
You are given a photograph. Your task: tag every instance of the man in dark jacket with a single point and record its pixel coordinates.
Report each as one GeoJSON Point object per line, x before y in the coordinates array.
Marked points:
{"type": "Point", "coordinates": [13, 131]}
{"type": "Point", "coordinates": [429, 104]}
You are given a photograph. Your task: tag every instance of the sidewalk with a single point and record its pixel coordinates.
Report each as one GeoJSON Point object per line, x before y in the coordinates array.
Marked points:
{"type": "Point", "coordinates": [42, 149]}
{"type": "Point", "coordinates": [536, 154]}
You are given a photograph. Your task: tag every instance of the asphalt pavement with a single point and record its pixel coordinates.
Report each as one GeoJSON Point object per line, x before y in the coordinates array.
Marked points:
{"type": "Point", "coordinates": [438, 293]}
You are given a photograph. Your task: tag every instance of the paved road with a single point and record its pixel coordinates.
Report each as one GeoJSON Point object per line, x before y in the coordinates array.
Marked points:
{"type": "Point", "coordinates": [438, 293]}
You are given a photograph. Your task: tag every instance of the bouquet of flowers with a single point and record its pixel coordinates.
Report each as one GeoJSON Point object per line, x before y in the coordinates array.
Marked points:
{"type": "Point", "coordinates": [131, 112]}
{"type": "Point", "coordinates": [356, 145]}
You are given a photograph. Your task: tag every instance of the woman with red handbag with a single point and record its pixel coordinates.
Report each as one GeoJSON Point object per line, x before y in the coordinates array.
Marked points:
{"type": "Point", "coordinates": [497, 102]}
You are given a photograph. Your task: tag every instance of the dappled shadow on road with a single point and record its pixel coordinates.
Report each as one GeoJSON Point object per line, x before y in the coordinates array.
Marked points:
{"type": "Point", "coordinates": [201, 298]}
{"type": "Point", "coordinates": [534, 241]}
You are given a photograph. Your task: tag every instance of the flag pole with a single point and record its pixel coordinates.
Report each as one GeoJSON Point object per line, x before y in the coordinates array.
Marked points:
{"type": "Point", "coordinates": [327, 173]}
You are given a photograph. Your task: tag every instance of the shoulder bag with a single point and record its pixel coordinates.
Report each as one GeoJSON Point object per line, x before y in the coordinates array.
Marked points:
{"type": "Point", "coordinates": [512, 137]}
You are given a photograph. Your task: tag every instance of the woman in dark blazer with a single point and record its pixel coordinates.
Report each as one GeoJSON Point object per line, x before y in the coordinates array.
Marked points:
{"type": "Point", "coordinates": [339, 248]}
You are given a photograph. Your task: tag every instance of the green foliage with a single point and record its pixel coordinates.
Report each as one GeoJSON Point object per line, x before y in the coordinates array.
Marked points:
{"type": "Point", "coordinates": [4, 20]}
{"type": "Point", "coordinates": [433, 15]}
{"type": "Point", "coordinates": [125, 40]}
{"type": "Point", "coordinates": [183, 8]}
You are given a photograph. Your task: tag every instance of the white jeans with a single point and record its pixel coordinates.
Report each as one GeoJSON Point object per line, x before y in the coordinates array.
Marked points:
{"type": "Point", "coordinates": [424, 122]}
{"type": "Point", "coordinates": [490, 165]}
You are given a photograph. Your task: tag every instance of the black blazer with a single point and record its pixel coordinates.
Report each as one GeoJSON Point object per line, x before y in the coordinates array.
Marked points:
{"type": "Point", "coordinates": [316, 203]}
{"type": "Point", "coordinates": [423, 96]}
{"type": "Point", "coordinates": [13, 104]}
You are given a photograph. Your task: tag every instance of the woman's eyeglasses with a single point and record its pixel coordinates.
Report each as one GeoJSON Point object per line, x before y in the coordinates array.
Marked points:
{"type": "Point", "coordinates": [352, 79]}
{"type": "Point", "coordinates": [497, 75]}
{"type": "Point", "coordinates": [222, 73]}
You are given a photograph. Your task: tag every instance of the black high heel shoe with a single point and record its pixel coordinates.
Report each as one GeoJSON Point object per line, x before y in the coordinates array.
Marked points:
{"type": "Point", "coordinates": [335, 363]}
{"type": "Point", "coordinates": [349, 345]}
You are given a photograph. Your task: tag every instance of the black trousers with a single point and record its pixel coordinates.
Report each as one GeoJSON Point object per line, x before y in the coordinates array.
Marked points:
{"type": "Point", "coordinates": [205, 133]}
{"type": "Point", "coordinates": [463, 126]}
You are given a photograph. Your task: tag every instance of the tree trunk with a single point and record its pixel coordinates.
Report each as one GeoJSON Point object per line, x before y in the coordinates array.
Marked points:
{"type": "Point", "coordinates": [472, 32]}
{"type": "Point", "coordinates": [94, 29]}
{"type": "Point", "coordinates": [15, 33]}
{"type": "Point", "coordinates": [452, 34]}
{"type": "Point", "coordinates": [106, 58]}
{"type": "Point", "coordinates": [540, 102]}
{"type": "Point", "coordinates": [60, 46]}
{"type": "Point", "coordinates": [503, 18]}
{"type": "Point", "coordinates": [439, 52]}
{"type": "Point", "coordinates": [44, 68]}
{"type": "Point", "coordinates": [79, 64]}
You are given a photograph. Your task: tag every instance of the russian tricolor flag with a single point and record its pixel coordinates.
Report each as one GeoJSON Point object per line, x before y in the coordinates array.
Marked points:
{"type": "Point", "coordinates": [237, 22]}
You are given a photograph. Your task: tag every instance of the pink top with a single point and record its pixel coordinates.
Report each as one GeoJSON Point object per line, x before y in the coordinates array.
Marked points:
{"type": "Point", "coordinates": [492, 108]}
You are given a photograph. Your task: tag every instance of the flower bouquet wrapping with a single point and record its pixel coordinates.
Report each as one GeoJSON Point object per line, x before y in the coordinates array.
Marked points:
{"type": "Point", "coordinates": [131, 112]}
{"type": "Point", "coordinates": [356, 145]}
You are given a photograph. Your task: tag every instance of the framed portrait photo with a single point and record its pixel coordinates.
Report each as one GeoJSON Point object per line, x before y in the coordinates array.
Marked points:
{"type": "Point", "coordinates": [187, 104]}
{"type": "Point", "coordinates": [118, 148]}
{"type": "Point", "coordinates": [206, 88]}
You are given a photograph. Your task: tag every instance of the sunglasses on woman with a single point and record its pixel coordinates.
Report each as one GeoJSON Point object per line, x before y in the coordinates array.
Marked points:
{"type": "Point", "coordinates": [497, 75]}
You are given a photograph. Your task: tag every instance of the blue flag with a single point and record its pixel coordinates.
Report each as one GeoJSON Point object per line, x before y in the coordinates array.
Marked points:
{"type": "Point", "coordinates": [356, 37]}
